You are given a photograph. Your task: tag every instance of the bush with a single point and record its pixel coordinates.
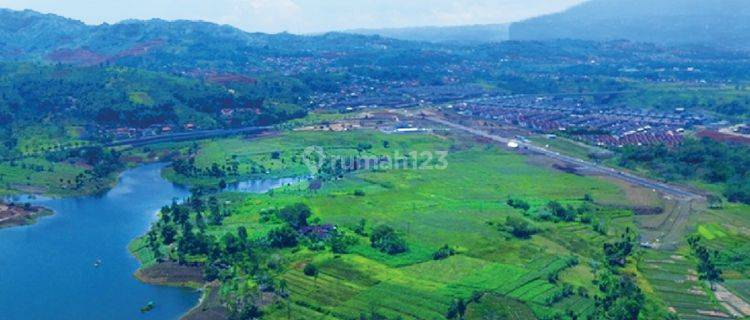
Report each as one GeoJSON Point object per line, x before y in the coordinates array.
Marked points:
{"type": "Point", "coordinates": [443, 253]}
{"type": "Point", "coordinates": [311, 270]}
{"type": "Point", "coordinates": [340, 243]}
{"type": "Point", "coordinates": [520, 228]}
{"type": "Point", "coordinates": [519, 204]}
{"type": "Point", "coordinates": [359, 193]}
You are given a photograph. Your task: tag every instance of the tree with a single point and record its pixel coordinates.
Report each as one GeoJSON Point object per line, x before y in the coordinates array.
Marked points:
{"type": "Point", "coordinates": [283, 237]}
{"type": "Point", "coordinates": [360, 227]}
{"type": "Point", "coordinates": [154, 246]}
{"type": "Point", "coordinates": [242, 235]}
{"type": "Point", "coordinates": [231, 244]}
{"type": "Point", "coordinates": [242, 307]}
{"type": "Point", "coordinates": [457, 309]}
{"type": "Point", "coordinates": [168, 233]}
{"type": "Point", "coordinates": [707, 269]}
{"type": "Point", "coordinates": [200, 222]}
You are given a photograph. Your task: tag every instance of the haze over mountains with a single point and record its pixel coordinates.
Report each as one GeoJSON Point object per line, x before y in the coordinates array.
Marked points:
{"type": "Point", "coordinates": [453, 34]}
{"type": "Point", "coordinates": [712, 22]}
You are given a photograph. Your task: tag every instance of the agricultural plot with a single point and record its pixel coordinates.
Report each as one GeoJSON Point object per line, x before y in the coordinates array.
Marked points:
{"type": "Point", "coordinates": [739, 287]}
{"type": "Point", "coordinates": [496, 307]}
{"type": "Point", "coordinates": [282, 155]}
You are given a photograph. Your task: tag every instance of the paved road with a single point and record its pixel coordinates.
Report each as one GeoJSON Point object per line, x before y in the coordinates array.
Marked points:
{"type": "Point", "coordinates": [175, 137]}
{"type": "Point", "coordinates": [185, 136]}
{"type": "Point", "coordinates": [583, 164]}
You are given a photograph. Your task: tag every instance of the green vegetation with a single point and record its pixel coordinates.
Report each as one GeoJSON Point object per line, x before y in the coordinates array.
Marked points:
{"type": "Point", "coordinates": [66, 172]}
{"type": "Point", "coordinates": [48, 108]}
{"type": "Point", "coordinates": [709, 161]}
{"type": "Point", "coordinates": [207, 163]}
{"type": "Point", "coordinates": [707, 269]}
{"type": "Point", "coordinates": [370, 236]}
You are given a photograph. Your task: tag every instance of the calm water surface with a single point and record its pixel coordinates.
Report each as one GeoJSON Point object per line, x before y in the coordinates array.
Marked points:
{"type": "Point", "coordinates": [47, 269]}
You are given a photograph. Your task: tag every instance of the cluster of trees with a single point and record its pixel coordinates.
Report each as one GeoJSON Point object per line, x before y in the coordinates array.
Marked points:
{"type": "Point", "coordinates": [181, 235]}
{"type": "Point", "coordinates": [385, 239]}
{"type": "Point", "coordinates": [102, 163]}
{"type": "Point", "coordinates": [187, 167]}
{"type": "Point", "coordinates": [617, 252]}
{"type": "Point", "coordinates": [704, 159]}
{"type": "Point", "coordinates": [558, 212]}
{"type": "Point", "coordinates": [620, 296]}
{"type": "Point", "coordinates": [554, 211]}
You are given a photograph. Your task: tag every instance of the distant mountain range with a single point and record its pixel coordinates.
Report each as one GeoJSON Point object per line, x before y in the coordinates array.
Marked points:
{"type": "Point", "coordinates": [472, 34]}
{"type": "Point", "coordinates": [675, 22]}
{"type": "Point", "coordinates": [163, 45]}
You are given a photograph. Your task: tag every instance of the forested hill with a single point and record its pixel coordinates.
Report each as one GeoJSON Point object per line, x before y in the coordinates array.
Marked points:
{"type": "Point", "coordinates": [713, 22]}
{"type": "Point", "coordinates": [36, 99]}
{"type": "Point", "coordinates": [161, 45]}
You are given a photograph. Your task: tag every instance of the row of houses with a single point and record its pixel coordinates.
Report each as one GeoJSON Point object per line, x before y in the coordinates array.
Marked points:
{"type": "Point", "coordinates": [596, 124]}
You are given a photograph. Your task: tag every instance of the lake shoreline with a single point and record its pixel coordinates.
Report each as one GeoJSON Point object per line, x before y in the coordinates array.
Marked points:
{"type": "Point", "coordinates": [167, 274]}
{"type": "Point", "coordinates": [101, 266]}
{"type": "Point", "coordinates": [172, 274]}
{"type": "Point", "coordinates": [12, 215]}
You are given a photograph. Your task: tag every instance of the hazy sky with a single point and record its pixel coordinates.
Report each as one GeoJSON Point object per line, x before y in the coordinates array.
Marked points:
{"type": "Point", "coordinates": [300, 16]}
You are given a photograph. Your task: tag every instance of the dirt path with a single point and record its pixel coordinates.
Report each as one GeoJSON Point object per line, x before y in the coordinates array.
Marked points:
{"type": "Point", "coordinates": [734, 304]}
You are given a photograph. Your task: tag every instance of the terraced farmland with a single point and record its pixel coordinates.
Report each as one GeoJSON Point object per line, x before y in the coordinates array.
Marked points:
{"type": "Point", "coordinates": [675, 281]}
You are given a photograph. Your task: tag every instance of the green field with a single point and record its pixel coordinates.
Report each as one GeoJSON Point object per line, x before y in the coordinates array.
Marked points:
{"type": "Point", "coordinates": [39, 176]}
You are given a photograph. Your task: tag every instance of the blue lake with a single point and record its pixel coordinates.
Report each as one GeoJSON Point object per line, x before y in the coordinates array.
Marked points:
{"type": "Point", "coordinates": [47, 269]}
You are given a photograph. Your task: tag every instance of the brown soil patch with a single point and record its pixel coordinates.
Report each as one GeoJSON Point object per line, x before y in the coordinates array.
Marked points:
{"type": "Point", "coordinates": [210, 307]}
{"type": "Point", "coordinates": [170, 273]}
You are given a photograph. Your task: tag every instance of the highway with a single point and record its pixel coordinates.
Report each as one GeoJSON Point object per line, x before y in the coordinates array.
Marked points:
{"type": "Point", "coordinates": [175, 137]}
{"type": "Point", "coordinates": [185, 136]}
{"type": "Point", "coordinates": [667, 189]}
